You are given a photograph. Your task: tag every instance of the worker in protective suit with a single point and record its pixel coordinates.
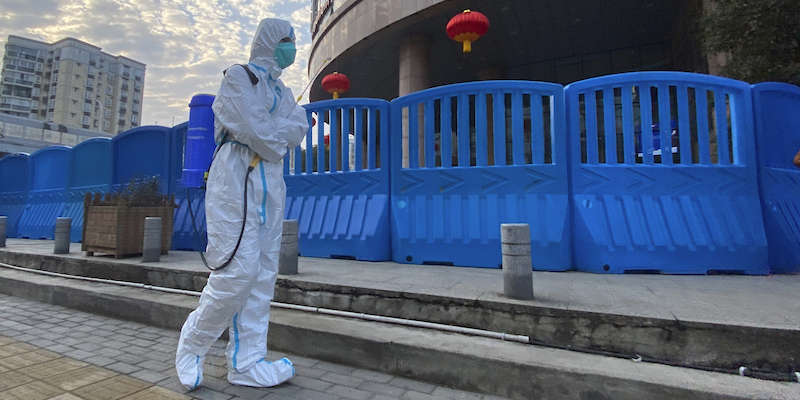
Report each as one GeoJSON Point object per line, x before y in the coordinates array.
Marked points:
{"type": "Point", "coordinates": [257, 120]}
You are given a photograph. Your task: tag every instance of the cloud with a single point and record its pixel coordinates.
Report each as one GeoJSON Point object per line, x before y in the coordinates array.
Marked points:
{"type": "Point", "coordinates": [186, 44]}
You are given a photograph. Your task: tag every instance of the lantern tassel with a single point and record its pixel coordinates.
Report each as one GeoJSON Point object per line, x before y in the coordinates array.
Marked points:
{"type": "Point", "coordinates": [467, 46]}
{"type": "Point", "coordinates": [335, 95]}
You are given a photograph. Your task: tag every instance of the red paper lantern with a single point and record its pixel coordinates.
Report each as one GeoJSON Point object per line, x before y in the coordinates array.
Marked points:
{"type": "Point", "coordinates": [336, 83]}
{"type": "Point", "coordinates": [467, 27]}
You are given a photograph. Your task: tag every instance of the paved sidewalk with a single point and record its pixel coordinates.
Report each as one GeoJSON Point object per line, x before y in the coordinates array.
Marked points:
{"type": "Point", "coordinates": [51, 352]}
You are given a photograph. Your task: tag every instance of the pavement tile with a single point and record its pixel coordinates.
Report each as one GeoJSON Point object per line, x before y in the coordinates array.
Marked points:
{"type": "Point", "coordinates": [208, 394]}
{"type": "Point", "coordinates": [447, 393]}
{"type": "Point", "coordinates": [4, 341]}
{"type": "Point", "coordinates": [100, 361]}
{"type": "Point", "coordinates": [52, 367]}
{"type": "Point", "coordinates": [80, 377]}
{"type": "Point", "coordinates": [35, 390]}
{"type": "Point", "coordinates": [412, 395]}
{"type": "Point", "coordinates": [308, 394]}
{"type": "Point", "coordinates": [337, 368]}
{"type": "Point", "coordinates": [310, 372]}
{"type": "Point", "coordinates": [10, 379]}
{"type": "Point", "coordinates": [123, 368]}
{"type": "Point", "coordinates": [412, 385]}
{"type": "Point", "coordinates": [10, 350]}
{"type": "Point", "coordinates": [339, 379]}
{"type": "Point", "coordinates": [59, 348]}
{"type": "Point", "coordinates": [149, 376]}
{"type": "Point", "coordinates": [109, 352]}
{"type": "Point", "coordinates": [155, 366]}
{"type": "Point", "coordinates": [156, 393]}
{"type": "Point", "coordinates": [79, 354]}
{"type": "Point", "coordinates": [285, 389]}
{"type": "Point", "coordinates": [65, 396]}
{"type": "Point", "coordinates": [111, 389]}
{"type": "Point", "coordinates": [132, 359]}
{"type": "Point", "coordinates": [215, 384]}
{"type": "Point", "coordinates": [375, 387]}
{"type": "Point", "coordinates": [348, 392]}
{"type": "Point", "coordinates": [372, 376]}
{"type": "Point", "coordinates": [247, 392]}
{"type": "Point", "coordinates": [24, 359]}
{"type": "Point", "coordinates": [309, 383]}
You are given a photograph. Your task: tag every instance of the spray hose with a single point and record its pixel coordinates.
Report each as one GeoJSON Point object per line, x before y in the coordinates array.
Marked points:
{"type": "Point", "coordinates": [253, 163]}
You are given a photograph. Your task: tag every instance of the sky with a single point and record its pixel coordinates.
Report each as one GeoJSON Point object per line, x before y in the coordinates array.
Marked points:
{"type": "Point", "coordinates": [186, 44]}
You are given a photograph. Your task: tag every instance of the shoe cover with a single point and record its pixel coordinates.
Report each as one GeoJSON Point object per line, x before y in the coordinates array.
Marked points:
{"type": "Point", "coordinates": [263, 374]}
{"type": "Point", "coordinates": [189, 367]}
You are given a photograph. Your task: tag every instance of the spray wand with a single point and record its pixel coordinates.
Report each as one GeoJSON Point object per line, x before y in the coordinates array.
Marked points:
{"type": "Point", "coordinates": [312, 79]}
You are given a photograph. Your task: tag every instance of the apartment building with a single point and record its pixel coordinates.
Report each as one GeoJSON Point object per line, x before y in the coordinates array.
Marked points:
{"type": "Point", "coordinates": [71, 83]}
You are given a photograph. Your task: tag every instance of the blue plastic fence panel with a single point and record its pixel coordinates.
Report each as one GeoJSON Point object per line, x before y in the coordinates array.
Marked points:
{"type": "Point", "coordinates": [142, 152]}
{"type": "Point", "coordinates": [340, 194]}
{"type": "Point", "coordinates": [13, 190]}
{"type": "Point", "coordinates": [470, 157]}
{"type": "Point", "coordinates": [90, 167]}
{"type": "Point", "coordinates": [689, 206]}
{"type": "Point", "coordinates": [48, 172]}
{"type": "Point", "coordinates": [189, 225]}
{"type": "Point", "coordinates": [777, 122]}
{"type": "Point", "coordinates": [177, 149]}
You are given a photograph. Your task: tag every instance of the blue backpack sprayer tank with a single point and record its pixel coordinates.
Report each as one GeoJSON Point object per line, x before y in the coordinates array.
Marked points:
{"type": "Point", "coordinates": [198, 156]}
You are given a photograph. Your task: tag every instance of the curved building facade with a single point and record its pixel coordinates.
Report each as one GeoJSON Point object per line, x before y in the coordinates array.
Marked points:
{"type": "Point", "coordinates": [389, 49]}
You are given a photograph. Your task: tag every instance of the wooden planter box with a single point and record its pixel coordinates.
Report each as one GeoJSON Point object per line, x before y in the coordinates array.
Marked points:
{"type": "Point", "coordinates": [119, 229]}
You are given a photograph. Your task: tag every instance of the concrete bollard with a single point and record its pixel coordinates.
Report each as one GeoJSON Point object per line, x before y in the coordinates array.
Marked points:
{"type": "Point", "coordinates": [151, 246]}
{"type": "Point", "coordinates": [63, 226]}
{"type": "Point", "coordinates": [517, 265]}
{"type": "Point", "coordinates": [3, 227]}
{"type": "Point", "coordinates": [287, 263]}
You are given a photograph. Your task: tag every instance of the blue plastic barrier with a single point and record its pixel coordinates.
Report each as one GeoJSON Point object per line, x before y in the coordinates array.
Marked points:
{"type": "Point", "coordinates": [777, 122]}
{"type": "Point", "coordinates": [695, 211]}
{"type": "Point", "coordinates": [13, 190]}
{"type": "Point", "coordinates": [143, 152]}
{"type": "Point", "coordinates": [343, 212]}
{"type": "Point", "coordinates": [48, 172]}
{"type": "Point", "coordinates": [475, 162]}
{"type": "Point", "coordinates": [90, 166]}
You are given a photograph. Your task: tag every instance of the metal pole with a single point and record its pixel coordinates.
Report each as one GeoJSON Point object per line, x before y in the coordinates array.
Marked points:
{"type": "Point", "coordinates": [290, 250]}
{"type": "Point", "coordinates": [517, 264]}
{"type": "Point", "coordinates": [3, 227]}
{"type": "Point", "coordinates": [63, 226]}
{"type": "Point", "coordinates": [151, 246]}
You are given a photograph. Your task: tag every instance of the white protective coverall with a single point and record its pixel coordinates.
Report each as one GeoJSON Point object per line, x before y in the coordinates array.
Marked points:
{"type": "Point", "coordinates": [261, 119]}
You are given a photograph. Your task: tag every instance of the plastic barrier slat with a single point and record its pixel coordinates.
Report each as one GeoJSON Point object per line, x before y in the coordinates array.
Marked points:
{"type": "Point", "coordinates": [537, 131]}
{"type": "Point", "coordinates": [627, 124]}
{"type": "Point", "coordinates": [703, 138]}
{"type": "Point", "coordinates": [664, 125]}
{"type": "Point", "coordinates": [481, 134]}
{"type": "Point", "coordinates": [499, 132]}
{"type": "Point", "coordinates": [684, 132]}
{"type": "Point", "coordinates": [517, 126]}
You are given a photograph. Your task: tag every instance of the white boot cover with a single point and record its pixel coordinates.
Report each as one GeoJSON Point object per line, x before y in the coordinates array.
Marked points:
{"type": "Point", "coordinates": [263, 374]}
{"type": "Point", "coordinates": [189, 366]}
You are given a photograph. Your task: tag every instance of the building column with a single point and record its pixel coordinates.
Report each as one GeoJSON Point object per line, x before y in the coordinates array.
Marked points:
{"type": "Point", "coordinates": [414, 76]}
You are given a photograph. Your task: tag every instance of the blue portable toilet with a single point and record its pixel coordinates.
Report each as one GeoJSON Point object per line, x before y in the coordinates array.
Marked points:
{"type": "Point", "coordinates": [141, 153]}
{"type": "Point", "coordinates": [13, 190]}
{"type": "Point", "coordinates": [48, 171]}
{"type": "Point", "coordinates": [90, 165]}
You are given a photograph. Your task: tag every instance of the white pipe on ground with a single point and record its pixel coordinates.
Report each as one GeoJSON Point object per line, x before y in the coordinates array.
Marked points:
{"type": "Point", "coordinates": [326, 311]}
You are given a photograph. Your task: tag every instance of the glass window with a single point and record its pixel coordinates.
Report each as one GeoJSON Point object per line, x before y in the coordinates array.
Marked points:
{"type": "Point", "coordinates": [86, 120]}
{"type": "Point", "coordinates": [109, 91]}
{"type": "Point", "coordinates": [107, 114]}
{"type": "Point", "coordinates": [108, 101]}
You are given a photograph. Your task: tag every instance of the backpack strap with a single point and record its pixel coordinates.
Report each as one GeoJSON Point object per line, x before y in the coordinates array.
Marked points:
{"type": "Point", "coordinates": [253, 77]}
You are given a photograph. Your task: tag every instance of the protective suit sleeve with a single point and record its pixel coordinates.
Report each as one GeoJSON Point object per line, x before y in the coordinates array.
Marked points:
{"type": "Point", "coordinates": [239, 109]}
{"type": "Point", "coordinates": [295, 123]}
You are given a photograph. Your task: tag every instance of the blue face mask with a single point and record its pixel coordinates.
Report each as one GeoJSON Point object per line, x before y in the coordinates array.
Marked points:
{"type": "Point", "coordinates": [284, 54]}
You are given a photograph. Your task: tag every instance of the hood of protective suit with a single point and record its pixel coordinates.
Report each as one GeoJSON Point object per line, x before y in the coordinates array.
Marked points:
{"type": "Point", "coordinates": [269, 33]}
